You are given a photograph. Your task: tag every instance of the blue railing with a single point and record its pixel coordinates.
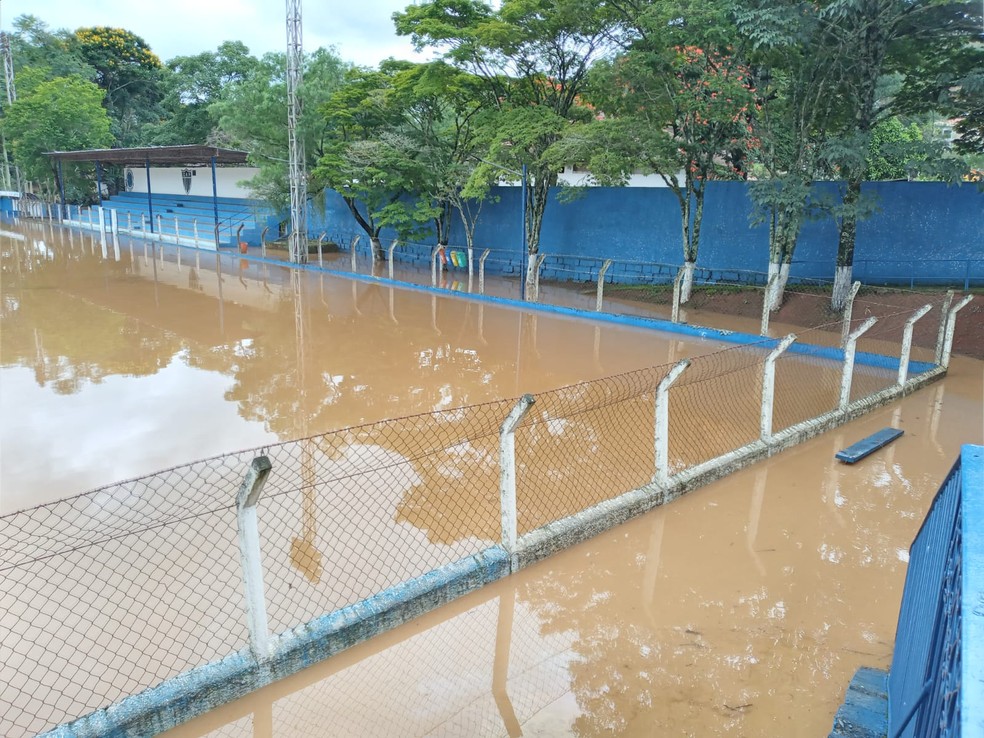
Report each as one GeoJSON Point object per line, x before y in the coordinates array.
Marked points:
{"type": "Point", "coordinates": [936, 683]}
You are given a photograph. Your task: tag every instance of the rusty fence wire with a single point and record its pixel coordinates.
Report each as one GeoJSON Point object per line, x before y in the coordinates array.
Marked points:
{"type": "Point", "coordinates": [119, 589]}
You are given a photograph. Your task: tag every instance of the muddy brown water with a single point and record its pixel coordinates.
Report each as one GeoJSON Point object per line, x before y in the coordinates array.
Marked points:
{"type": "Point", "coordinates": [741, 609]}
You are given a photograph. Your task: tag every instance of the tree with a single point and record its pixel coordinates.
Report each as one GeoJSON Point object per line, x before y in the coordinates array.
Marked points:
{"type": "Point", "coordinates": [192, 84]}
{"type": "Point", "coordinates": [796, 77]}
{"type": "Point", "coordinates": [64, 114]}
{"type": "Point", "coordinates": [130, 74]}
{"type": "Point", "coordinates": [369, 160]}
{"type": "Point", "coordinates": [880, 37]}
{"type": "Point", "coordinates": [533, 57]}
{"type": "Point", "coordinates": [34, 45]}
{"type": "Point", "coordinates": [252, 115]}
{"type": "Point", "coordinates": [678, 103]}
{"type": "Point", "coordinates": [893, 152]}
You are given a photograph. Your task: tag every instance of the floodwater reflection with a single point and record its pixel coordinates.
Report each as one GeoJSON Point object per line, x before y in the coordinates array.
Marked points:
{"type": "Point", "coordinates": [96, 341]}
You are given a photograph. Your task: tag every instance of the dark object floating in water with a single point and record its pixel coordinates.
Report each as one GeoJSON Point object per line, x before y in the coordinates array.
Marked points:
{"type": "Point", "coordinates": [869, 445]}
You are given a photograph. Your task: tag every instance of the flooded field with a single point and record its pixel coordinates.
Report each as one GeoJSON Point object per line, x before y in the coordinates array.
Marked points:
{"type": "Point", "coordinates": [120, 360]}
{"type": "Point", "coordinates": [736, 610]}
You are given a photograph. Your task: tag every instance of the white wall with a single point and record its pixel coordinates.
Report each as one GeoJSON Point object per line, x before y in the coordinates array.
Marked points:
{"type": "Point", "coordinates": [168, 180]}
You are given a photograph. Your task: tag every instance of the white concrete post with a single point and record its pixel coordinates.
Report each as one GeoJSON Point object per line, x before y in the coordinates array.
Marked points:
{"type": "Point", "coordinates": [767, 305]}
{"type": "Point", "coordinates": [471, 267]}
{"type": "Point", "coordinates": [907, 343]}
{"type": "Point", "coordinates": [941, 335]}
{"type": "Point", "coordinates": [160, 231]}
{"type": "Point", "coordinates": [102, 220]}
{"type": "Point", "coordinates": [507, 470]}
{"type": "Point", "coordinates": [662, 477]}
{"type": "Point", "coordinates": [177, 231]}
{"type": "Point", "coordinates": [848, 309]}
{"type": "Point", "coordinates": [848, 375]}
{"type": "Point", "coordinates": [769, 387]}
{"type": "Point", "coordinates": [675, 310]}
{"type": "Point", "coordinates": [355, 243]}
{"type": "Point", "coordinates": [601, 284]}
{"type": "Point", "coordinates": [321, 248]}
{"type": "Point", "coordinates": [143, 224]}
{"type": "Point", "coordinates": [249, 554]}
{"type": "Point", "coordinates": [114, 222]}
{"type": "Point", "coordinates": [88, 211]}
{"type": "Point", "coordinates": [481, 271]}
{"type": "Point", "coordinates": [435, 258]}
{"type": "Point", "coordinates": [262, 241]}
{"type": "Point", "coordinates": [129, 223]}
{"type": "Point", "coordinates": [194, 230]}
{"type": "Point", "coordinates": [389, 256]}
{"type": "Point", "coordinates": [951, 324]}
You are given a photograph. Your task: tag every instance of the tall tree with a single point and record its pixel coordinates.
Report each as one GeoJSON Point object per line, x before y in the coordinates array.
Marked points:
{"type": "Point", "coordinates": [678, 103]}
{"type": "Point", "coordinates": [64, 113]}
{"type": "Point", "coordinates": [252, 115]}
{"type": "Point", "coordinates": [795, 60]}
{"type": "Point", "coordinates": [130, 74]}
{"type": "Point", "coordinates": [879, 37]}
{"type": "Point", "coordinates": [191, 85]}
{"type": "Point", "coordinates": [533, 56]}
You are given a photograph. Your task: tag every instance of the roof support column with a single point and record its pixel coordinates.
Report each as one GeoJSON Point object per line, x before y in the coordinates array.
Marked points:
{"type": "Point", "coordinates": [150, 197]}
{"type": "Point", "coordinates": [215, 203]}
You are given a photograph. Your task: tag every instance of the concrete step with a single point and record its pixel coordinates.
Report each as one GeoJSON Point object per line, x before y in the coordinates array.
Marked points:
{"type": "Point", "coordinates": [864, 713]}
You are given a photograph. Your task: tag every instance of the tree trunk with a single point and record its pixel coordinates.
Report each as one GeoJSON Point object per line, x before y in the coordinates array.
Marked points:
{"type": "Point", "coordinates": [377, 249]}
{"type": "Point", "coordinates": [687, 283]}
{"type": "Point", "coordinates": [845, 243]}
{"type": "Point", "coordinates": [531, 280]}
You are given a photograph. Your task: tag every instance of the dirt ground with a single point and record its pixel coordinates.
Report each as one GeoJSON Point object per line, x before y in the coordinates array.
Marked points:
{"type": "Point", "coordinates": [811, 308]}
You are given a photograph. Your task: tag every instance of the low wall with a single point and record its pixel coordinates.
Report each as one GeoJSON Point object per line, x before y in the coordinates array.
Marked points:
{"type": "Point", "coordinates": [920, 233]}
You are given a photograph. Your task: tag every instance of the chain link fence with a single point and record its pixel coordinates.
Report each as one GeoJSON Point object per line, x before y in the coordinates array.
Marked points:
{"type": "Point", "coordinates": [117, 590]}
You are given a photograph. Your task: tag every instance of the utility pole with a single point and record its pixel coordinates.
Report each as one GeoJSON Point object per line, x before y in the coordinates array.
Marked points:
{"type": "Point", "coordinates": [8, 79]}
{"type": "Point", "coordinates": [297, 174]}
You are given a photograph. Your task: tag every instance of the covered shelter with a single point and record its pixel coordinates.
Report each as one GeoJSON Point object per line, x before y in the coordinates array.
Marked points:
{"type": "Point", "coordinates": [145, 156]}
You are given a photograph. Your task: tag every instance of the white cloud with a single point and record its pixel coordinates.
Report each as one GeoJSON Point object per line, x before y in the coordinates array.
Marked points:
{"type": "Point", "coordinates": [361, 31]}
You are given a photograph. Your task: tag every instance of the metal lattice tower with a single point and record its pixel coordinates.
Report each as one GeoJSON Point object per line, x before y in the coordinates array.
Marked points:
{"type": "Point", "coordinates": [296, 173]}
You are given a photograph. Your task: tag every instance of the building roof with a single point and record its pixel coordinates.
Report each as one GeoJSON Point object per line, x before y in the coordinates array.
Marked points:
{"type": "Point", "coordinates": [141, 156]}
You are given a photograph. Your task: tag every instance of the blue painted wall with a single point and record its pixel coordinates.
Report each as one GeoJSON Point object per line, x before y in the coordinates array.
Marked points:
{"type": "Point", "coordinates": [921, 232]}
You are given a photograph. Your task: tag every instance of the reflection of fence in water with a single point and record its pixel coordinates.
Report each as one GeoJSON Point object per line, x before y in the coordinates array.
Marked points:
{"type": "Point", "coordinates": [114, 591]}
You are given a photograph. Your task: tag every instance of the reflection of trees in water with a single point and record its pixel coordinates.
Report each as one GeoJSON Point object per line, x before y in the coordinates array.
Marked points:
{"type": "Point", "coordinates": [67, 340]}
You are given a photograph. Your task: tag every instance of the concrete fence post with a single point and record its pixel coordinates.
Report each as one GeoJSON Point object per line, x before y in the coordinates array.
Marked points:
{"type": "Point", "coordinates": [662, 436]}
{"type": "Point", "coordinates": [389, 256]}
{"type": "Point", "coordinates": [481, 271]}
{"type": "Point", "coordinates": [352, 248]}
{"type": "Point", "coordinates": [675, 309]}
{"type": "Point", "coordinates": [907, 343]}
{"type": "Point", "coordinates": [849, 349]}
{"type": "Point", "coordinates": [435, 258]}
{"type": "Point", "coordinates": [143, 224]}
{"type": "Point", "coordinates": [601, 284]}
{"type": "Point", "coordinates": [471, 267]}
{"type": "Point", "coordinates": [102, 219]}
{"type": "Point", "coordinates": [194, 230]}
{"type": "Point", "coordinates": [249, 553]}
{"type": "Point", "coordinates": [321, 248]}
{"type": "Point", "coordinates": [160, 231]}
{"type": "Point", "coordinates": [941, 334]}
{"type": "Point", "coordinates": [114, 222]}
{"type": "Point", "coordinates": [848, 310]}
{"type": "Point", "coordinates": [769, 387]}
{"type": "Point", "coordinates": [951, 324]}
{"type": "Point", "coordinates": [507, 471]}
{"type": "Point", "coordinates": [89, 214]}
{"type": "Point", "coordinates": [177, 231]}
{"type": "Point", "coordinates": [129, 223]}
{"type": "Point", "coordinates": [263, 234]}
{"type": "Point", "coordinates": [767, 304]}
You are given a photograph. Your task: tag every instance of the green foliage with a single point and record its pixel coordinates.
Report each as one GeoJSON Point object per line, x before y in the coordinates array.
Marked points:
{"type": "Point", "coordinates": [130, 74]}
{"type": "Point", "coordinates": [191, 84]}
{"type": "Point", "coordinates": [252, 115]}
{"type": "Point", "coordinates": [61, 114]}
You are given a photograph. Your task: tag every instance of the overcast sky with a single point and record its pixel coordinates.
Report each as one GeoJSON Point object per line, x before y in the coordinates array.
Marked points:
{"type": "Point", "coordinates": [361, 30]}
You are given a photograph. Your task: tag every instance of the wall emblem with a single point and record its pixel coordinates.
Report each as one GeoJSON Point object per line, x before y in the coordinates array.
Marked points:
{"type": "Point", "coordinates": [186, 175]}
{"type": "Point", "coordinates": [129, 180]}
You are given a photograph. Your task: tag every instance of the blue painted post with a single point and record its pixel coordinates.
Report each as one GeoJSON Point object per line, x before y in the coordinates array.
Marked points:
{"type": "Point", "coordinates": [61, 188]}
{"type": "Point", "coordinates": [215, 203]}
{"type": "Point", "coordinates": [150, 198]}
{"type": "Point", "coordinates": [525, 247]}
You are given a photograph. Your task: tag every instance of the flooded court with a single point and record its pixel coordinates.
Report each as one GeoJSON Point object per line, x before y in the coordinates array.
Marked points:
{"type": "Point", "coordinates": [738, 609]}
